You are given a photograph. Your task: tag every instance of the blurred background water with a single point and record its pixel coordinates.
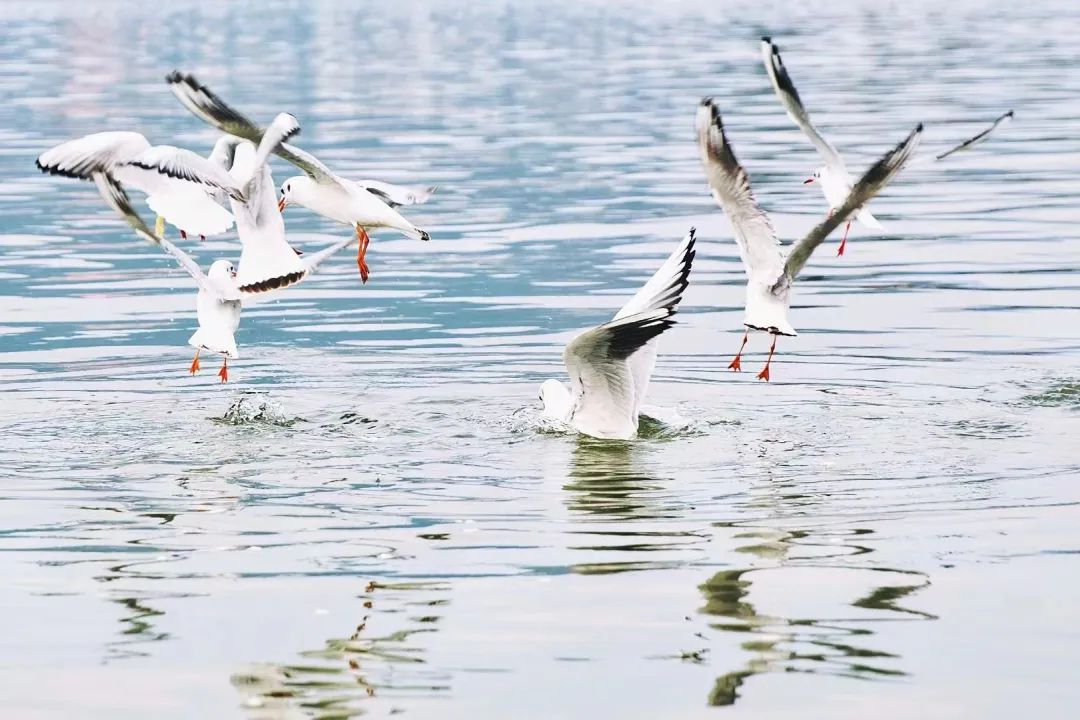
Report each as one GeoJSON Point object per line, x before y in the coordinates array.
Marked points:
{"type": "Point", "coordinates": [888, 528]}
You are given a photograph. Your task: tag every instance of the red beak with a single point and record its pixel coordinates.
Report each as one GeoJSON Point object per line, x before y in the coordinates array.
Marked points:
{"type": "Point", "coordinates": [281, 205]}
{"type": "Point", "coordinates": [807, 181]}
{"type": "Point", "coordinates": [233, 273]}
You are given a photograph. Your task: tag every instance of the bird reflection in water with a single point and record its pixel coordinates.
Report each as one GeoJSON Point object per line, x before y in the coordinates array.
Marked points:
{"type": "Point", "coordinates": [633, 520]}
{"type": "Point", "coordinates": [371, 663]}
{"type": "Point", "coordinates": [839, 645]}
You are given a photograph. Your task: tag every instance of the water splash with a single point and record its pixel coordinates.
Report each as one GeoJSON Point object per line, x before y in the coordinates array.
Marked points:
{"type": "Point", "coordinates": [256, 407]}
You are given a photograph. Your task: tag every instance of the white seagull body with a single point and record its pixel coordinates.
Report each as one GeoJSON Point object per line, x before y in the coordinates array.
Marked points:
{"type": "Point", "coordinates": [179, 184]}
{"type": "Point", "coordinates": [835, 180]}
{"type": "Point", "coordinates": [360, 205]}
{"type": "Point", "coordinates": [770, 273]}
{"type": "Point", "coordinates": [610, 365]}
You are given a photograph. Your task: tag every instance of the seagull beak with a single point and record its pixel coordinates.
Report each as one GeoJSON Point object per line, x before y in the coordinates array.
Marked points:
{"type": "Point", "coordinates": [233, 274]}
{"type": "Point", "coordinates": [281, 205]}
{"type": "Point", "coordinates": [807, 181]}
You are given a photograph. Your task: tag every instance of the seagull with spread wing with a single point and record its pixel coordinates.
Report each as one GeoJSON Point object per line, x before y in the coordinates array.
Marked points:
{"type": "Point", "coordinates": [771, 273]}
{"type": "Point", "coordinates": [179, 184]}
{"type": "Point", "coordinates": [610, 365]}
{"type": "Point", "coordinates": [833, 177]}
{"type": "Point", "coordinates": [359, 204]}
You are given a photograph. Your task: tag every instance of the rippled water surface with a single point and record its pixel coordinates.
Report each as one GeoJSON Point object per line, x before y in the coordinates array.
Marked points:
{"type": "Point", "coordinates": [369, 519]}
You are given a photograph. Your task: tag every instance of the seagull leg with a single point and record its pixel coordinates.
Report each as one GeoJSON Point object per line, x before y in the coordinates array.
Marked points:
{"type": "Point", "coordinates": [735, 364]}
{"type": "Point", "coordinates": [223, 373]}
{"type": "Point", "coordinates": [363, 241]}
{"type": "Point", "coordinates": [159, 226]}
{"type": "Point", "coordinates": [764, 374]}
{"type": "Point", "coordinates": [843, 242]}
{"type": "Point", "coordinates": [195, 363]}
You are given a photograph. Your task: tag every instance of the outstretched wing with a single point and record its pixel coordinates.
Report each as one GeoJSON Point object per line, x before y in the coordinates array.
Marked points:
{"type": "Point", "coordinates": [971, 142]}
{"type": "Point", "coordinates": [180, 164]}
{"type": "Point", "coordinates": [312, 261]}
{"type": "Point", "coordinates": [100, 152]}
{"type": "Point", "coordinates": [871, 183]}
{"type": "Point", "coordinates": [211, 109]}
{"type": "Point", "coordinates": [754, 234]}
{"type": "Point", "coordinates": [663, 290]}
{"type": "Point", "coordinates": [116, 198]}
{"type": "Point", "coordinates": [601, 380]}
{"type": "Point", "coordinates": [789, 98]}
{"type": "Point", "coordinates": [397, 195]}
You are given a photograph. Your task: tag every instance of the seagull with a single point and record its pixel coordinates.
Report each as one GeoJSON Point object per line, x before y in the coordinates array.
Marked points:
{"type": "Point", "coordinates": [972, 142]}
{"type": "Point", "coordinates": [833, 177]}
{"type": "Point", "coordinates": [218, 303]}
{"type": "Point", "coordinates": [360, 205]}
{"type": "Point", "coordinates": [180, 185]}
{"type": "Point", "coordinates": [610, 364]}
{"type": "Point", "coordinates": [771, 274]}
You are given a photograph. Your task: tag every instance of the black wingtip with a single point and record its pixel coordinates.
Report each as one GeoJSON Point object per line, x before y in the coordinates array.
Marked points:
{"type": "Point", "coordinates": [766, 39]}
{"type": "Point", "coordinates": [424, 235]}
{"type": "Point", "coordinates": [1009, 114]}
{"type": "Point", "coordinates": [706, 101]}
{"type": "Point", "coordinates": [173, 77]}
{"type": "Point", "coordinates": [693, 233]}
{"type": "Point", "coordinates": [918, 128]}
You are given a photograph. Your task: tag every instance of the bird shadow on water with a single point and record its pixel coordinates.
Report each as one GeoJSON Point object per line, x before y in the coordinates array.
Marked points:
{"type": "Point", "coordinates": [840, 644]}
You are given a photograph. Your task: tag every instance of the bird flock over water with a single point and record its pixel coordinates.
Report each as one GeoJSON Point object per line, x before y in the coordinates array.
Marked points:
{"type": "Point", "coordinates": [609, 365]}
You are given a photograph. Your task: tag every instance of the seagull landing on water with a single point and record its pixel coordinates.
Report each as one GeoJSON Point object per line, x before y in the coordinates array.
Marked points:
{"type": "Point", "coordinates": [180, 185]}
{"type": "Point", "coordinates": [218, 303]}
{"type": "Point", "coordinates": [610, 365]}
{"type": "Point", "coordinates": [770, 274]}
{"type": "Point", "coordinates": [833, 177]}
{"type": "Point", "coordinates": [359, 204]}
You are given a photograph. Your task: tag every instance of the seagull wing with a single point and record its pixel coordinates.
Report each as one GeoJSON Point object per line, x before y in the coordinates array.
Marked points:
{"type": "Point", "coordinates": [211, 109]}
{"type": "Point", "coordinates": [875, 179]}
{"type": "Point", "coordinates": [312, 261]}
{"type": "Point", "coordinates": [397, 195]}
{"type": "Point", "coordinates": [663, 290]}
{"type": "Point", "coordinates": [114, 195]}
{"type": "Point", "coordinates": [789, 98]}
{"type": "Point", "coordinates": [601, 379]}
{"type": "Point", "coordinates": [754, 233]}
{"type": "Point", "coordinates": [100, 152]}
{"type": "Point", "coordinates": [971, 142]}
{"type": "Point", "coordinates": [177, 164]}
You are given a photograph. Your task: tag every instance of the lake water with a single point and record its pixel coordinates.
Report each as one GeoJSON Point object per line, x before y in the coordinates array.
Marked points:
{"type": "Point", "coordinates": [888, 529]}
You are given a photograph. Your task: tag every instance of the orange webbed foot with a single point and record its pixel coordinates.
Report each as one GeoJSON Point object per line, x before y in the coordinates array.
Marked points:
{"type": "Point", "coordinates": [764, 374]}
{"type": "Point", "coordinates": [735, 365]}
{"type": "Point", "coordinates": [223, 373]}
{"type": "Point", "coordinates": [194, 364]}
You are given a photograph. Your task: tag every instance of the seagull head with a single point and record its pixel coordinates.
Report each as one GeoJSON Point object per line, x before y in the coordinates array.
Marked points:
{"type": "Point", "coordinates": [222, 273]}
{"type": "Point", "coordinates": [816, 177]}
{"type": "Point", "coordinates": [294, 190]}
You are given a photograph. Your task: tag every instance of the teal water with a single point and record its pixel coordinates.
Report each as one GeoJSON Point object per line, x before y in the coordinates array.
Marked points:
{"type": "Point", "coordinates": [886, 529]}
